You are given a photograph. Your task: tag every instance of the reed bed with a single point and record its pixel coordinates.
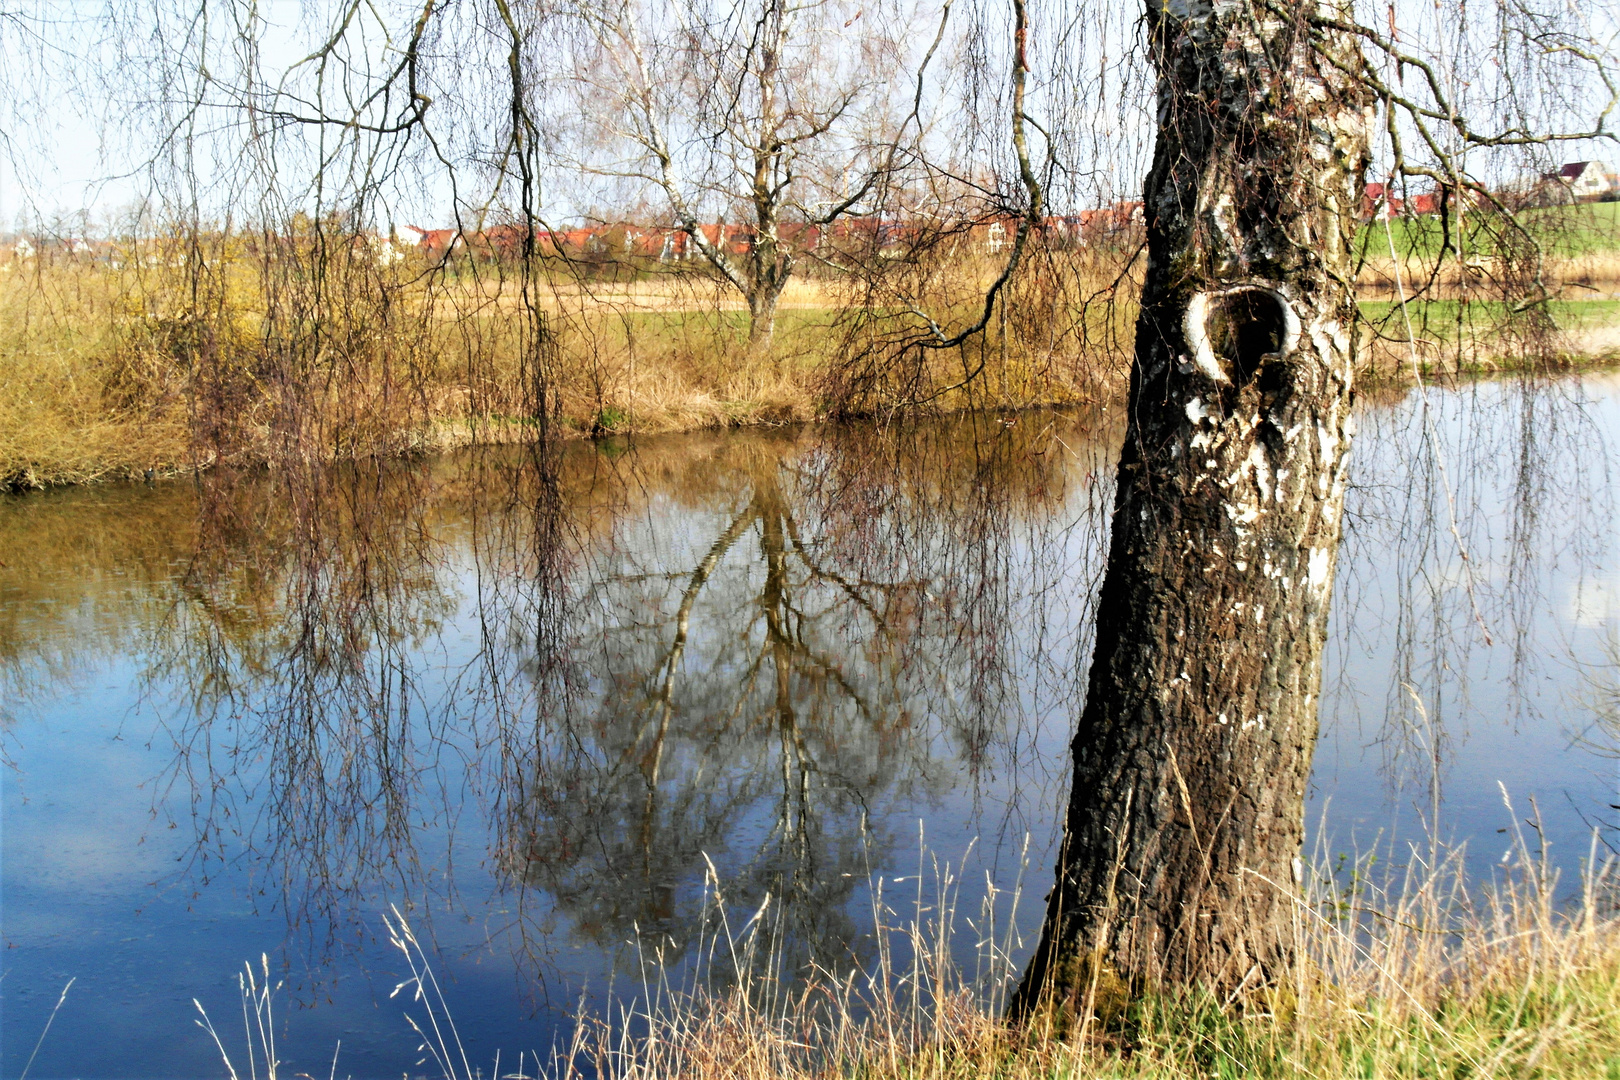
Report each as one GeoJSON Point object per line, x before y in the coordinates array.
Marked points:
{"type": "Point", "coordinates": [176, 355]}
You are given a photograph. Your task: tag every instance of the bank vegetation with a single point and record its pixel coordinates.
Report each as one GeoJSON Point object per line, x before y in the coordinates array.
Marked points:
{"type": "Point", "coordinates": [153, 355]}
{"type": "Point", "coordinates": [1408, 969]}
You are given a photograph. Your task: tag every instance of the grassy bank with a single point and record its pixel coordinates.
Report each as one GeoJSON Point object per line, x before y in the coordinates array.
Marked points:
{"type": "Point", "coordinates": [1448, 338]}
{"type": "Point", "coordinates": [1423, 978]}
{"type": "Point", "coordinates": [190, 352]}
{"type": "Point", "coordinates": [178, 358]}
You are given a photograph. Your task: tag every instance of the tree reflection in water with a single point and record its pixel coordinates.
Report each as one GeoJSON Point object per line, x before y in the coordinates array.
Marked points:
{"type": "Point", "coordinates": [1469, 509]}
{"type": "Point", "coordinates": [762, 653]}
{"type": "Point", "coordinates": [539, 692]}
{"type": "Point", "coordinates": [764, 705]}
{"type": "Point", "coordinates": [291, 653]}
{"type": "Point", "coordinates": [530, 696]}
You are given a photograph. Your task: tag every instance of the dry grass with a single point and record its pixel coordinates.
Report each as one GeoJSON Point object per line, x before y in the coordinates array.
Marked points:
{"type": "Point", "coordinates": [680, 292]}
{"type": "Point", "coordinates": [206, 350]}
{"type": "Point", "coordinates": [190, 356]}
{"type": "Point", "coordinates": [1381, 277]}
{"type": "Point", "coordinates": [1416, 978]}
{"type": "Point", "coordinates": [56, 418]}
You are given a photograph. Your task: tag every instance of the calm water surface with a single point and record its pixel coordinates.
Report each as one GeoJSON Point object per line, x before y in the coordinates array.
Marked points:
{"type": "Point", "coordinates": [243, 717]}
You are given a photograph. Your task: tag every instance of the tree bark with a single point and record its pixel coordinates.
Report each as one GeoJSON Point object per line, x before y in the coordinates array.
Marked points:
{"type": "Point", "coordinates": [762, 315]}
{"type": "Point", "coordinates": [1179, 862]}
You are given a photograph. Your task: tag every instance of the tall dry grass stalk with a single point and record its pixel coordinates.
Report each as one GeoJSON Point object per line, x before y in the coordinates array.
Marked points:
{"type": "Point", "coordinates": [257, 994]}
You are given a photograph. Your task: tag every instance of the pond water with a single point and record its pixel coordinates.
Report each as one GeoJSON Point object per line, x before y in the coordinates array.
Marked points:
{"type": "Point", "coordinates": [548, 713]}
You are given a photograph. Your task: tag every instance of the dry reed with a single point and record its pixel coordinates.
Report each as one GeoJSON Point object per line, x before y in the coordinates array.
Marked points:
{"type": "Point", "coordinates": [174, 354]}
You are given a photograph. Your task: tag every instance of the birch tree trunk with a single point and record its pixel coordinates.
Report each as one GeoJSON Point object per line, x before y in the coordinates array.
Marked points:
{"type": "Point", "coordinates": [1179, 863]}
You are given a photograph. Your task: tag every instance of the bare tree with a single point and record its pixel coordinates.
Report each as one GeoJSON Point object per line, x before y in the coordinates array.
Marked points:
{"type": "Point", "coordinates": [774, 112]}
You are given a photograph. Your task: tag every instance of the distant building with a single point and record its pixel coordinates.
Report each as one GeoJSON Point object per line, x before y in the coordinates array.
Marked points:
{"type": "Point", "coordinates": [1426, 203]}
{"type": "Point", "coordinates": [995, 237]}
{"type": "Point", "coordinates": [1380, 203]}
{"type": "Point", "coordinates": [385, 251]}
{"type": "Point", "coordinates": [437, 244]}
{"type": "Point", "coordinates": [1106, 225]}
{"type": "Point", "coordinates": [1579, 181]}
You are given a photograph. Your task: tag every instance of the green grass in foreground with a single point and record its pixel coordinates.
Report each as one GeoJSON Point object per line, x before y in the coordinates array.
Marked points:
{"type": "Point", "coordinates": [1539, 1028]}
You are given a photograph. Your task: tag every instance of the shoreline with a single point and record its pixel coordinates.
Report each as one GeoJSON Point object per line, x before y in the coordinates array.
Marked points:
{"type": "Point", "coordinates": [100, 398]}
{"type": "Point", "coordinates": [453, 435]}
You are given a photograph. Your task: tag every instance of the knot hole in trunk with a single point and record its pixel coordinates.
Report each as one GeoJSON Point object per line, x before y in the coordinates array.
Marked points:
{"type": "Point", "coordinates": [1233, 332]}
{"type": "Point", "coordinates": [1244, 328]}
